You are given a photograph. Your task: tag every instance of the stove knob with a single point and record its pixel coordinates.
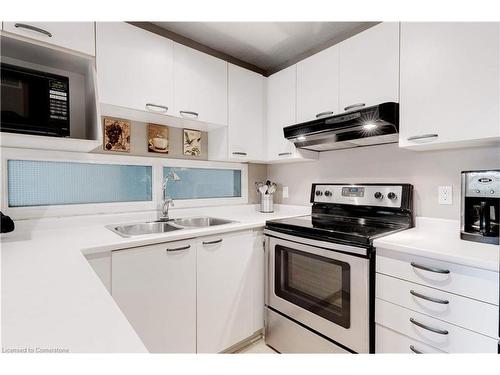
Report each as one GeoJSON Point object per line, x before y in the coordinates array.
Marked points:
{"type": "Point", "coordinates": [391, 196]}
{"type": "Point", "coordinates": [378, 195]}
{"type": "Point", "coordinates": [478, 191]}
{"type": "Point", "coordinates": [492, 191]}
{"type": "Point", "coordinates": [318, 193]}
{"type": "Point", "coordinates": [328, 193]}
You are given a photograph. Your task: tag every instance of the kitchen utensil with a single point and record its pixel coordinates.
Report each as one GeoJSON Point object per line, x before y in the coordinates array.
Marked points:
{"type": "Point", "coordinates": [272, 188]}
{"type": "Point", "coordinates": [263, 189]}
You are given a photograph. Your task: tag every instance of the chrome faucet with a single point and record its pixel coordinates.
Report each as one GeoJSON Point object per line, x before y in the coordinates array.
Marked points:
{"type": "Point", "coordinates": [167, 202]}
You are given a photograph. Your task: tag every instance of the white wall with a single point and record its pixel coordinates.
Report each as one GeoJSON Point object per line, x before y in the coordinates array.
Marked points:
{"type": "Point", "coordinates": [426, 170]}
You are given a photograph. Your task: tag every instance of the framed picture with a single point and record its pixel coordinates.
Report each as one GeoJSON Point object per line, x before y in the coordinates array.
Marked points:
{"type": "Point", "coordinates": [192, 142]}
{"type": "Point", "coordinates": [116, 135]}
{"type": "Point", "coordinates": [158, 138]}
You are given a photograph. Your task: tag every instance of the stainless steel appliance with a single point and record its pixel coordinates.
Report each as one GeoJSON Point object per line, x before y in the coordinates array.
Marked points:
{"type": "Point", "coordinates": [359, 127]}
{"type": "Point", "coordinates": [480, 210]}
{"type": "Point", "coordinates": [34, 102]}
{"type": "Point", "coordinates": [320, 268]}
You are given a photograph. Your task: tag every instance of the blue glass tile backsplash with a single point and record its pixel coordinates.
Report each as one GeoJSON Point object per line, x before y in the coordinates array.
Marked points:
{"type": "Point", "coordinates": [42, 183]}
{"type": "Point", "coordinates": [196, 183]}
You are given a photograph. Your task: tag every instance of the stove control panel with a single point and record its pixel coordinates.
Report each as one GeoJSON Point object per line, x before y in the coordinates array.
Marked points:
{"type": "Point", "coordinates": [359, 195]}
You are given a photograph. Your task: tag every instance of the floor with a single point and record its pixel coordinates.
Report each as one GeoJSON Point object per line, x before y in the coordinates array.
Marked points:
{"type": "Point", "coordinates": [258, 347]}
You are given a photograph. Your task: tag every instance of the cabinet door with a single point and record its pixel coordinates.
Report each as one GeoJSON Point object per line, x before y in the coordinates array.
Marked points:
{"type": "Point", "coordinates": [78, 36]}
{"type": "Point", "coordinates": [200, 86]}
{"type": "Point", "coordinates": [245, 114]}
{"type": "Point", "coordinates": [369, 67]}
{"type": "Point", "coordinates": [155, 286]}
{"type": "Point", "coordinates": [230, 290]}
{"type": "Point", "coordinates": [281, 96]}
{"type": "Point", "coordinates": [134, 68]}
{"type": "Point", "coordinates": [449, 84]}
{"type": "Point", "coordinates": [318, 85]}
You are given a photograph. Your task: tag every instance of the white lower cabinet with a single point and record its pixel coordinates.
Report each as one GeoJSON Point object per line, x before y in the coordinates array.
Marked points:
{"type": "Point", "coordinates": [230, 290]}
{"type": "Point", "coordinates": [155, 287]}
{"type": "Point", "coordinates": [201, 295]}
{"type": "Point", "coordinates": [438, 305]}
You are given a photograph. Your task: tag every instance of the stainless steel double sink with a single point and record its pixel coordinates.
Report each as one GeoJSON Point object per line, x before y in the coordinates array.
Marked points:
{"type": "Point", "coordinates": [152, 227]}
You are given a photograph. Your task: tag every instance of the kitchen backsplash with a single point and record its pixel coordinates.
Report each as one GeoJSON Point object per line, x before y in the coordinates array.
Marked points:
{"type": "Point", "coordinates": [426, 170]}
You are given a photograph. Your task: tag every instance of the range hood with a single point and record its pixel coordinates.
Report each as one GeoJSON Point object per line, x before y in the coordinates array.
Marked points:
{"type": "Point", "coordinates": [368, 126]}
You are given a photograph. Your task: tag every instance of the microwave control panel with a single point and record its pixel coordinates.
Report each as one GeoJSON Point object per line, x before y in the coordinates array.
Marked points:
{"type": "Point", "coordinates": [58, 100]}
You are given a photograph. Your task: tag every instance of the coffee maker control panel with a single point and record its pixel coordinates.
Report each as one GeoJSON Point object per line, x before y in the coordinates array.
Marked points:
{"type": "Point", "coordinates": [482, 184]}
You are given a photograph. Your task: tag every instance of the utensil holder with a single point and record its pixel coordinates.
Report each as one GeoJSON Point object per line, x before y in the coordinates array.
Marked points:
{"type": "Point", "coordinates": [266, 203]}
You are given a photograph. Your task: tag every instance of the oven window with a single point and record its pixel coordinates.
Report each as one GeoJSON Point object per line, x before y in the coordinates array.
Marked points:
{"type": "Point", "coordinates": [318, 284]}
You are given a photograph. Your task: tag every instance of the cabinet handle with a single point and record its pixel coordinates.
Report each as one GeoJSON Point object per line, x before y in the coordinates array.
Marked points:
{"type": "Point", "coordinates": [284, 154]}
{"type": "Point", "coordinates": [322, 114]}
{"type": "Point", "coordinates": [422, 136]}
{"type": "Point", "coordinates": [240, 153]}
{"type": "Point", "coordinates": [212, 242]}
{"type": "Point", "coordinates": [33, 28]}
{"type": "Point", "coordinates": [179, 248]}
{"type": "Point", "coordinates": [432, 299]}
{"type": "Point", "coordinates": [354, 106]}
{"type": "Point", "coordinates": [429, 328]}
{"type": "Point", "coordinates": [430, 269]}
{"type": "Point", "coordinates": [415, 350]}
{"type": "Point", "coordinates": [163, 107]}
{"type": "Point", "coordinates": [189, 113]}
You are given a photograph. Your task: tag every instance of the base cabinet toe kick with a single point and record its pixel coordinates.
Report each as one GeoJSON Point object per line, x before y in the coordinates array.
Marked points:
{"type": "Point", "coordinates": [422, 309]}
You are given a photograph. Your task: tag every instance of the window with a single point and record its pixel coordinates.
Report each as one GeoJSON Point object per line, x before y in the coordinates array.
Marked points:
{"type": "Point", "coordinates": [43, 183]}
{"type": "Point", "coordinates": [199, 183]}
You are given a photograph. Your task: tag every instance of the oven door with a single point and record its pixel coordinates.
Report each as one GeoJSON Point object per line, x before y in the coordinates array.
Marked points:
{"type": "Point", "coordinates": [325, 289]}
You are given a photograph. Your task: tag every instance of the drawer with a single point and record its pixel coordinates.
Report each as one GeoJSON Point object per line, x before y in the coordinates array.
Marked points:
{"type": "Point", "coordinates": [477, 316]}
{"type": "Point", "coordinates": [452, 339]}
{"type": "Point", "coordinates": [389, 341]}
{"type": "Point", "coordinates": [466, 281]}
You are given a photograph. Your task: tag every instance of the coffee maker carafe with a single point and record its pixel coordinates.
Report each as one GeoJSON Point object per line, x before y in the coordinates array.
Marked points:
{"type": "Point", "coordinates": [480, 206]}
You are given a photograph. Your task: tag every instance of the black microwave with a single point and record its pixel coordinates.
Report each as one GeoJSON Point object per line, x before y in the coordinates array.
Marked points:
{"type": "Point", "coordinates": [34, 102]}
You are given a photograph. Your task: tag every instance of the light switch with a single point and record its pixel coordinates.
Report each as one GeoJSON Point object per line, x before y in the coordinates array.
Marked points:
{"type": "Point", "coordinates": [285, 192]}
{"type": "Point", "coordinates": [445, 195]}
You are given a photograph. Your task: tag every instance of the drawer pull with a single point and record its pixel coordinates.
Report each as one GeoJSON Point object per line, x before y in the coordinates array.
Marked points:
{"type": "Point", "coordinates": [190, 114]}
{"type": "Point", "coordinates": [415, 350]}
{"type": "Point", "coordinates": [422, 136]}
{"type": "Point", "coordinates": [239, 153]}
{"type": "Point", "coordinates": [432, 329]}
{"type": "Point", "coordinates": [354, 106]}
{"type": "Point", "coordinates": [212, 242]}
{"type": "Point", "coordinates": [430, 269]}
{"type": "Point", "coordinates": [179, 248]}
{"type": "Point", "coordinates": [432, 299]}
{"type": "Point", "coordinates": [323, 114]}
{"type": "Point", "coordinates": [151, 106]}
{"type": "Point", "coordinates": [33, 28]}
{"type": "Point", "coordinates": [284, 154]}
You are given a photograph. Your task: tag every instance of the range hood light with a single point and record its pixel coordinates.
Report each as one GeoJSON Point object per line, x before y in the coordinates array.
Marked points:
{"type": "Point", "coordinates": [369, 126]}
{"type": "Point", "coordinates": [301, 138]}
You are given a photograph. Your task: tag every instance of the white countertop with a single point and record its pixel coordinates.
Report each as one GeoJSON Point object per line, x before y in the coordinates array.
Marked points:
{"type": "Point", "coordinates": [51, 297]}
{"type": "Point", "coordinates": [440, 239]}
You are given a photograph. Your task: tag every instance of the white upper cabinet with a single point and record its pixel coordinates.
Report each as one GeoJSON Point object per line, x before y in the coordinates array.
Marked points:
{"type": "Point", "coordinates": [134, 68]}
{"type": "Point", "coordinates": [369, 67]}
{"type": "Point", "coordinates": [281, 112]}
{"type": "Point", "coordinates": [449, 84]}
{"type": "Point", "coordinates": [318, 85]}
{"type": "Point", "coordinates": [77, 36]}
{"type": "Point", "coordinates": [200, 86]}
{"type": "Point", "coordinates": [246, 116]}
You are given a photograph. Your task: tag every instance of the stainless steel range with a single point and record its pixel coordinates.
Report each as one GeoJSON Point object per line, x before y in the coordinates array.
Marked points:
{"type": "Point", "coordinates": [320, 268]}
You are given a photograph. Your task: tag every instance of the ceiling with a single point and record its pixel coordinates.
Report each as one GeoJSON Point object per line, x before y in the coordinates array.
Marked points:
{"type": "Point", "coordinates": [268, 46]}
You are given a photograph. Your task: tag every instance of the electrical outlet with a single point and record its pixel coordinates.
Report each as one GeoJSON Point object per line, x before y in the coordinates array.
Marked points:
{"type": "Point", "coordinates": [445, 195]}
{"type": "Point", "coordinates": [285, 191]}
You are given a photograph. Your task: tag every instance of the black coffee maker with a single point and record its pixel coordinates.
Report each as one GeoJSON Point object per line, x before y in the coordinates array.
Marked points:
{"type": "Point", "coordinates": [480, 206]}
